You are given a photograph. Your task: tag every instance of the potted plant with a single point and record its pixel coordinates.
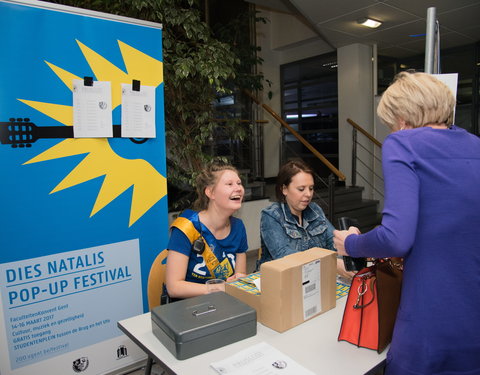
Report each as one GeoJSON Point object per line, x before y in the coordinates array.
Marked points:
{"type": "Point", "coordinates": [201, 64]}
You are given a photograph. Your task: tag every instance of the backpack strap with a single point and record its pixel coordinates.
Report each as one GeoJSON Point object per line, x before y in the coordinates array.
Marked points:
{"type": "Point", "coordinates": [216, 268]}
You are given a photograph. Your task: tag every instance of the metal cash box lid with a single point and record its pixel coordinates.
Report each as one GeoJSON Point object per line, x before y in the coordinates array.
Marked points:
{"type": "Point", "coordinates": [201, 316]}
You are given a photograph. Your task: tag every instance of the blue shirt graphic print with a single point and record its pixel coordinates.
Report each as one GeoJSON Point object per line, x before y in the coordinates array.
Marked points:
{"type": "Point", "coordinates": [235, 242]}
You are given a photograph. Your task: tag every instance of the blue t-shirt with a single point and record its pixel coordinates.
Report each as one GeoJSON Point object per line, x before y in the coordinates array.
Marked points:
{"type": "Point", "coordinates": [235, 242]}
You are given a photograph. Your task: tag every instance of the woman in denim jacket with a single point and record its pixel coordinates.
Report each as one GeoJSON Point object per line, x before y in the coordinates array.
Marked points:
{"type": "Point", "coordinates": [295, 223]}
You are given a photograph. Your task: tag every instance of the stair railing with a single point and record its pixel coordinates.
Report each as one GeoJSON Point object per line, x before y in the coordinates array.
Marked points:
{"type": "Point", "coordinates": [378, 188]}
{"type": "Point", "coordinates": [335, 172]}
{"type": "Point", "coordinates": [312, 149]}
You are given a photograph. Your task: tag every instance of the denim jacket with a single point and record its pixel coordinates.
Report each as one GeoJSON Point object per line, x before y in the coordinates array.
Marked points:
{"type": "Point", "coordinates": [281, 234]}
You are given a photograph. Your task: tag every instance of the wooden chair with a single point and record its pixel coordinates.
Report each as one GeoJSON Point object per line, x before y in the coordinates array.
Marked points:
{"type": "Point", "coordinates": [156, 279]}
{"type": "Point", "coordinates": [257, 261]}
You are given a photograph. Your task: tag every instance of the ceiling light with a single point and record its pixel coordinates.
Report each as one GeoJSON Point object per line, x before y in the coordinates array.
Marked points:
{"type": "Point", "coordinates": [369, 22]}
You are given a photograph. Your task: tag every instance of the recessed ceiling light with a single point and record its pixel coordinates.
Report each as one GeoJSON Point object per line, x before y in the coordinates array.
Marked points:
{"type": "Point", "coordinates": [369, 22]}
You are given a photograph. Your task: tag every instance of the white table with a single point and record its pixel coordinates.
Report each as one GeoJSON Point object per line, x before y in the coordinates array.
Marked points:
{"type": "Point", "coordinates": [313, 344]}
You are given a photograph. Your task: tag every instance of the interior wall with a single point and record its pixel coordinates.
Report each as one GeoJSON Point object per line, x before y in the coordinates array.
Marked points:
{"type": "Point", "coordinates": [271, 71]}
{"type": "Point", "coordinates": [282, 25]}
{"type": "Point", "coordinates": [283, 39]}
{"type": "Point", "coordinates": [355, 101]}
{"type": "Point", "coordinates": [381, 132]}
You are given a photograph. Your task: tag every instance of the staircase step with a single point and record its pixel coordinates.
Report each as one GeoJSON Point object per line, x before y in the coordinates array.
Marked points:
{"type": "Point", "coordinates": [364, 205]}
{"type": "Point", "coordinates": [357, 207]}
{"type": "Point", "coordinates": [340, 190]}
{"type": "Point", "coordinates": [342, 194]}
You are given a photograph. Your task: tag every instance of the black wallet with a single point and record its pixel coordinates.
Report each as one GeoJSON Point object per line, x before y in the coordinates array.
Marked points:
{"type": "Point", "coordinates": [351, 264]}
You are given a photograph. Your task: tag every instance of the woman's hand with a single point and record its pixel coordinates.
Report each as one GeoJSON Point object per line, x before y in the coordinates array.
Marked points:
{"type": "Point", "coordinates": [235, 276]}
{"type": "Point", "coordinates": [339, 239]}
{"type": "Point", "coordinates": [240, 267]}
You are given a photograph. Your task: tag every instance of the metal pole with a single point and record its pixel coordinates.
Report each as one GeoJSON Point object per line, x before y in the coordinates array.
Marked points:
{"type": "Point", "coordinates": [331, 196]}
{"type": "Point", "coordinates": [436, 69]}
{"type": "Point", "coordinates": [430, 40]}
{"type": "Point", "coordinates": [354, 157]}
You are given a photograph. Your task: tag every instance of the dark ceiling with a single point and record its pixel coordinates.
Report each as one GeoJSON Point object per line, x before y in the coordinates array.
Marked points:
{"type": "Point", "coordinates": [402, 33]}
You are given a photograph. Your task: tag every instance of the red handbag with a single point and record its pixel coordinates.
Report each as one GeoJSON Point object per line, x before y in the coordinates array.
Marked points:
{"type": "Point", "coordinates": [372, 305]}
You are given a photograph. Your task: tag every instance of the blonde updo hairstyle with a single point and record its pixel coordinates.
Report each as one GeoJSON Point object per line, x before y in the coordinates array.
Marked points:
{"type": "Point", "coordinates": [418, 99]}
{"type": "Point", "coordinates": [209, 177]}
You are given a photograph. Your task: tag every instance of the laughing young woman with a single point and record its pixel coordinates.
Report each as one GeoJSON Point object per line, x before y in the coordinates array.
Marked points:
{"type": "Point", "coordinates": [208, 243]}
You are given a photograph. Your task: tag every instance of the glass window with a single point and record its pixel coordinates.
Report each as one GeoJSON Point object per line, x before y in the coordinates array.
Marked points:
{"type": "Point", "coordinates": [310, 106]}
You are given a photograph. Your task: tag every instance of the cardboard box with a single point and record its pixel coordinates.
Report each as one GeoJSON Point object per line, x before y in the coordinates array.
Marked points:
{"type": "Point", "coordinates": [294, 288]}
{"type": "Point", "coordinates": [298, 287]}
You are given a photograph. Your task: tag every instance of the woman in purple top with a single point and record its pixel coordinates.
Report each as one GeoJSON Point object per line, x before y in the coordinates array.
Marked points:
{"type": "Point", "coordinates": [432, 220]}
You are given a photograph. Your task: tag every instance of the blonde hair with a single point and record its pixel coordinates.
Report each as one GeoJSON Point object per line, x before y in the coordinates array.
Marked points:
{"type": "Point", "coordinates": [209, 177]}
{"type": "Point", "coordinates": [418, 99]}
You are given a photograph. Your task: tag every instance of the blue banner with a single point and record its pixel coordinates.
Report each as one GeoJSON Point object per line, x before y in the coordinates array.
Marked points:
{"type": "Point", "coordinates": [82, 219]}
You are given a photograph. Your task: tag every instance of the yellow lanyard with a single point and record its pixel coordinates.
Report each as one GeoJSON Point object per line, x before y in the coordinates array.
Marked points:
{"type": "Point", "coordinates": [217, 269]}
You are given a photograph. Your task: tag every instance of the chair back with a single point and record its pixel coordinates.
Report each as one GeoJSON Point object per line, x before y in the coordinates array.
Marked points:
{"type": "Point", "coordinates": [156, 279]}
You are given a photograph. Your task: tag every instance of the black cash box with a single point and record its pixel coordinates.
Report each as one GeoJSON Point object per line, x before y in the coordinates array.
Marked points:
{"type": "Point", "coordinates": [199, 324]}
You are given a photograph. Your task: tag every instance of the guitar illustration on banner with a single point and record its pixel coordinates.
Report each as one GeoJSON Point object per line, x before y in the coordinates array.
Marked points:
{"type": "Point", "coordinates": [21, 132]}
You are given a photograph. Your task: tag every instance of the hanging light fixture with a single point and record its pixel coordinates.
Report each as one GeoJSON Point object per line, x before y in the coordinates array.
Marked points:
{"type": "Point", "coordinates": [369, 22]}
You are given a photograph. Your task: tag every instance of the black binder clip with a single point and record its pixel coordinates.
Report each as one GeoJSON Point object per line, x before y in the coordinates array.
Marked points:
{"type": "Point", "coordinates": [88, 81]}
{"type": "Point", "coordinates": [135, 85]}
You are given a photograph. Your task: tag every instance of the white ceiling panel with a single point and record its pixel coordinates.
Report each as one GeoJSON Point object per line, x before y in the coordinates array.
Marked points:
{"type": "Point", "coordinates": [419, 7]}
{"type": "Point", "coordinates": [335, 22]}
{"type": "Point", "coordinates": [459, 19]}
{"type": "Point", "coordinates": [401, 34]}
{"type": "Point", "coordinates": [472, 31]}
{"type": "Point", "coordinates": [348, 23]}
{"type": "Point", "coordinates": [320, 11]}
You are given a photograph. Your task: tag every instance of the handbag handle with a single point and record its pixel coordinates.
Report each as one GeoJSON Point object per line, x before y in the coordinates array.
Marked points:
{"type": "Point", "coordinates": [392, 262]}
{"type": "Point", "coordinates": [362, 289]}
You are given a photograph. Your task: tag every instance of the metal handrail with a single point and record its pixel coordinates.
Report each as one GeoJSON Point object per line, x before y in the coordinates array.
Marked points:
{"type": "Point", "coordinates": [331, 182]}
{"type": "Point", "coordinates": [312, 149]}
{"type": "Point", "coordinates": [365, 133]}
{"type": "Point", "coordinates": [357, 128]}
